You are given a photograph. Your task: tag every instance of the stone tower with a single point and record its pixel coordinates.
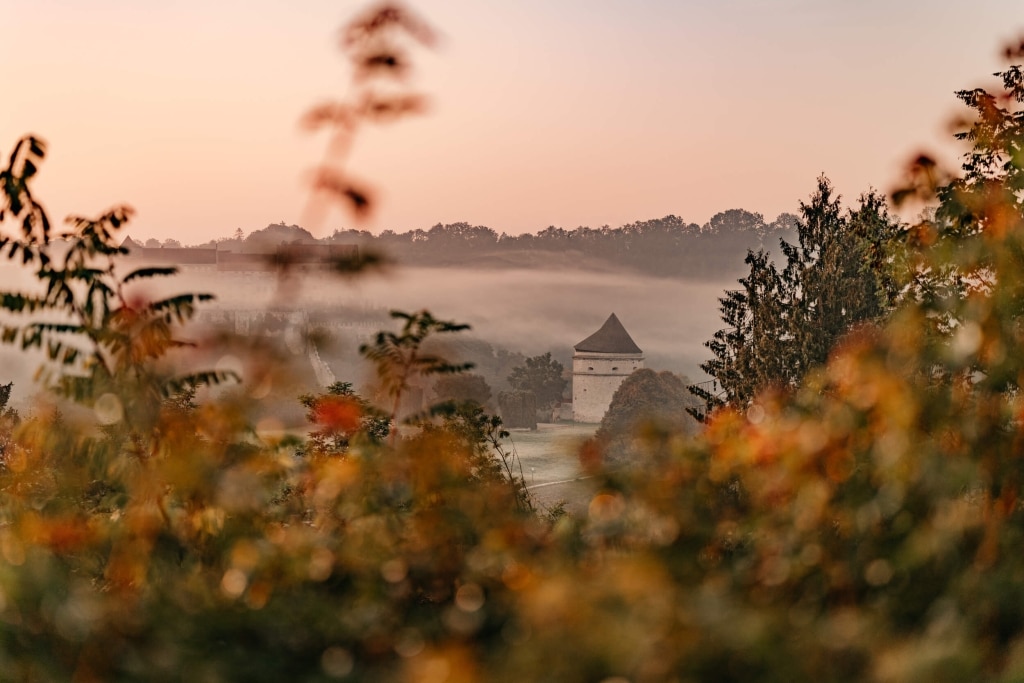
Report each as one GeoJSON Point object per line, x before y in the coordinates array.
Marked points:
{"type": "Point", "coordinates": [599, 365]}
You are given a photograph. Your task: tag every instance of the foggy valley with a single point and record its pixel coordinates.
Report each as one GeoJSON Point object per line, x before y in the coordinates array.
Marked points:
{"type": "Point", "coordinates": [529, 299]}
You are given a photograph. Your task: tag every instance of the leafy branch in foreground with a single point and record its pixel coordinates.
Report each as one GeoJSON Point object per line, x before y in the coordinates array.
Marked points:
{"type": "Point", "coordinates": [376, 44]}
{"type": "Point", "coordinates": [483, 437]}
{"type": "Point", "coordinates": [399, 356]}
{"type": "Point", "coordinates": [400, 360]}
{"type": "Point", "coordinates": [99, 334]}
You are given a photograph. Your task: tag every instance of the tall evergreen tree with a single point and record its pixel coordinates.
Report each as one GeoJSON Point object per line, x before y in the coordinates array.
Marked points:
{"type": "Point", "coordinates": [840, 272]}
{"type": "Point", "coordinates": [745, 357]}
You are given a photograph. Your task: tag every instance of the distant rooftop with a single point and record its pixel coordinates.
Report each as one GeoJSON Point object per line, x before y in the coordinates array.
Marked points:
{"type": "Point", "coordinates": [611, 338]}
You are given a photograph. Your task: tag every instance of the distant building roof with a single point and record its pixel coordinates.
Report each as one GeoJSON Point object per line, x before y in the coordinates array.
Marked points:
{"type": "Point", "coordinates": [611, 338]}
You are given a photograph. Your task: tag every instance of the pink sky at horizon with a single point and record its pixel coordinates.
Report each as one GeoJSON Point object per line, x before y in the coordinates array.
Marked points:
{"type": "Point", "coordinates": [542, 113]}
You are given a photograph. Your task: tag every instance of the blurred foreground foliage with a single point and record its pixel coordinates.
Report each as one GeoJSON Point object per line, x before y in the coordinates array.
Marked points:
{"type": "Point", "coordinates": [865, 525]}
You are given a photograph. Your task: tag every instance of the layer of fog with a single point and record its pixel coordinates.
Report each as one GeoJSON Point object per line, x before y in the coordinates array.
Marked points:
{"type": "Point", "coordinates": [529, 311]}
{"type": "Point", "coordinates": [538, 311]}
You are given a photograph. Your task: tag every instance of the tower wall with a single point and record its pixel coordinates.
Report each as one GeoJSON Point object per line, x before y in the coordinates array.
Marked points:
{"type": "Point", "coordinates": [595, 377]}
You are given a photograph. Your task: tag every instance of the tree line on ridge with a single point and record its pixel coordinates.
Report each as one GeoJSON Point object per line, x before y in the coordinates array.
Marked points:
{"type": "Point", "coordinates": [667, 246]}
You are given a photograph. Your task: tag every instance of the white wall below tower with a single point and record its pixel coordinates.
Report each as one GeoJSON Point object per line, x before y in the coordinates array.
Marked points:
{"type": "Point", "coordinates": [595, 377]}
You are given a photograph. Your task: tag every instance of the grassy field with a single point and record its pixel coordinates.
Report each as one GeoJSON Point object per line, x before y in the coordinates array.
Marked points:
{"type": "Point", "coordinates": [551, 467]}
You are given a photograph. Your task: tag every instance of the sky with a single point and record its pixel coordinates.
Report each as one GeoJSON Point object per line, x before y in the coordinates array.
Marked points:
{"type": "Point", "coordinates": [542, 112]}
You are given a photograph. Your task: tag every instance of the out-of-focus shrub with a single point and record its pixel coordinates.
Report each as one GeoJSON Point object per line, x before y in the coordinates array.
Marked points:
{"type": "Point", "coordinates": [646, 400]}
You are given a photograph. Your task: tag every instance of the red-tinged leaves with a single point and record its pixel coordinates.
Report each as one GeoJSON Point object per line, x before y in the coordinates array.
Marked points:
{"type": "Point", "coordinates": [63, 535]}
{"type": "Point", "coordinates": [337, 413]}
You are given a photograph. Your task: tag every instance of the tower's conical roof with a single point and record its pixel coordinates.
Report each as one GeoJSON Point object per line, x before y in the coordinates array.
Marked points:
{"type": "Point", "coordinates": [611, 338]}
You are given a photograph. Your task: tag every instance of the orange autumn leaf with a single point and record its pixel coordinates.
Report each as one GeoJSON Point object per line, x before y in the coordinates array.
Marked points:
{"type": "Point", "coordinates": [338, 413]}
